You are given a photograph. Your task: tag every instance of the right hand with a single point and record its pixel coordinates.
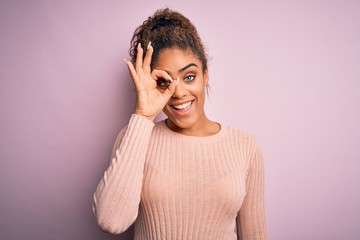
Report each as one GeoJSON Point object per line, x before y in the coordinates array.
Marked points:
{"type": "Point", "coordinates": [150, 100]}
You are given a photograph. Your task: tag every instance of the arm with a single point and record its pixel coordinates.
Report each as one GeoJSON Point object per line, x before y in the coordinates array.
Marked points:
{"type": "Point", "coordinates": [117, 197]}
{"type": "Point", "coordinates": [251, 223]}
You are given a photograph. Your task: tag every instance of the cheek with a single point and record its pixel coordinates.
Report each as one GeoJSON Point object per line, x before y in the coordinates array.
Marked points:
{"type": "Point", "coordinates": [198, 91]}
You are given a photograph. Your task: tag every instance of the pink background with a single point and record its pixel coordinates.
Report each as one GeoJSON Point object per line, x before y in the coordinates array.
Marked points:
{"type": "Point", "coordinates": [287, 71]}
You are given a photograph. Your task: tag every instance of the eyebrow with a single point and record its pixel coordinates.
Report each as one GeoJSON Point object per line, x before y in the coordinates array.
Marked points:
{"type": "Point", "coordinates": [184, 68]}
{"type": "Point", "coordinates": [187, 66]}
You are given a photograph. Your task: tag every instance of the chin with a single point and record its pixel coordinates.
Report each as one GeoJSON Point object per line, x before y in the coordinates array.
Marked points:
{"type": "Point", "coordinates": [184, 123]}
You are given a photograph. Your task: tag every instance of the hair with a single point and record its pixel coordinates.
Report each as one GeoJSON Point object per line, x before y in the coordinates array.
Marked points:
{"type": "Point", "coordinates": [166, 29]}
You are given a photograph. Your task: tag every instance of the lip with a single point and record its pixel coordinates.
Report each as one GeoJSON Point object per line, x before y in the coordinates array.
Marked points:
{"type": "Point", "coordinates": [184, 110]}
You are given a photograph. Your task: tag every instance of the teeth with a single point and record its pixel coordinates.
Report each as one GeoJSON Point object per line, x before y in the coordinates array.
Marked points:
{"type": "Point", "coordinates": [182, 106]}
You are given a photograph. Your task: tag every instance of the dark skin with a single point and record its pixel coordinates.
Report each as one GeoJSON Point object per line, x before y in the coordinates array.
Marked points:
{"type": "Point", "coordinates": [176, 86]}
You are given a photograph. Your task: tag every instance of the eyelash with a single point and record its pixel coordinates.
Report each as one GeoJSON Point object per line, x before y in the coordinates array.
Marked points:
{"type": "Point", "coordinates": [189, 76]}
{"type": "Point", "coordinates": [162, 83]}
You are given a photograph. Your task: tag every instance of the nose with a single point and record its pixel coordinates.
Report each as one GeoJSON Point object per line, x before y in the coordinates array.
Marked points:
{"type": "Point", "coordinates": [180, 89]}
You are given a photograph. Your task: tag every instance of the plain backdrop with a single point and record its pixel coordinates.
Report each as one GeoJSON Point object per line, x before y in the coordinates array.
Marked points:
{"type": "Point", "coordinates": [286, 71]}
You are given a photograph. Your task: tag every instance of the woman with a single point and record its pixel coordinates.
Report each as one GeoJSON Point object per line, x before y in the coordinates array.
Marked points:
{"type": "Point", "coordinates": [185, 177]}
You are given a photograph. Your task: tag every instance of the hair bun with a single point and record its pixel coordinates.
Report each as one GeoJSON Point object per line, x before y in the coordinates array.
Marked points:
{"type": "Point", "coordinates": [167, 29]}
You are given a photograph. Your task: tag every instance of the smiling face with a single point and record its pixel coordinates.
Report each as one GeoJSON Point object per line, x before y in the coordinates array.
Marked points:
{"type": "Point", "coordinates": [185, 109]}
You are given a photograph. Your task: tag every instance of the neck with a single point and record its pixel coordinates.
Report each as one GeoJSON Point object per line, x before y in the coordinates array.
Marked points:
{"type": "Point", "coordinates": [205, 127]}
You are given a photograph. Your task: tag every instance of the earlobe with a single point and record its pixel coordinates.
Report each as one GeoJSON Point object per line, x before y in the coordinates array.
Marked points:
{"type": "Point", "coordinates": [206, 78]}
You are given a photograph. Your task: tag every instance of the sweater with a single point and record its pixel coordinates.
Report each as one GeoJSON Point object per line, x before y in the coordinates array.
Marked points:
{"type": "Point", "coordinates": [175, 186]}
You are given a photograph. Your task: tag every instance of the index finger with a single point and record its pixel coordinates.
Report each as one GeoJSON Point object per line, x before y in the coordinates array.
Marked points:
{"type": "Point", "coordinates": [158, 73]}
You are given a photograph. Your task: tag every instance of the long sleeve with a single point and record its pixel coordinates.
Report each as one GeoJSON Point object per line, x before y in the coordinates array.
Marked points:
{"type": "Point", "coordinates": [117, 197]}
{"type": "Point", "coordinates": [251, 221]}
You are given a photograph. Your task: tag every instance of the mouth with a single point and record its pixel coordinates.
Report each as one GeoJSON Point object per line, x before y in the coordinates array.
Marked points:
{"type": "Point", "coordinates": [183, 107]}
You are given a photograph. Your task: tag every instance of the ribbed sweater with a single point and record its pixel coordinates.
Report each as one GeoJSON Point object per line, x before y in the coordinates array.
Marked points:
{"type": "Point", "coordinates": [175, 186]}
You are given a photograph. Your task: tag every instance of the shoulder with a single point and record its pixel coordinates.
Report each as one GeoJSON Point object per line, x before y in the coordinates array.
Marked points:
{"type": "Point", "coordinates": [239, 134]}
{"type": "Point", "coordinates": [243, 140]}
{"type": "Point", "coordinates": [246, 144]}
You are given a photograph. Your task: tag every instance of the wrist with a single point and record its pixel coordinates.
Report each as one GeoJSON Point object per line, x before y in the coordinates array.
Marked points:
{"type": "Point", "coordinates": [149, 117]}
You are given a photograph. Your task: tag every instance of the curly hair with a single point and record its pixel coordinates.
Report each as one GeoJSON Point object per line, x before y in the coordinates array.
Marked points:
{"type": "Point", "coordinates": [166, 29]}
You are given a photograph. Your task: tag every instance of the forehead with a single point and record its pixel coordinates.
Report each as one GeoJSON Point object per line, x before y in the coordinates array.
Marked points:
{"type": "Point", "coordinates": [175, 58]}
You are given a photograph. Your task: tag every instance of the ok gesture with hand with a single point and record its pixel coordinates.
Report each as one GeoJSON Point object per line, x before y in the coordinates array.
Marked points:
{"type": "Point", "coordinates": [150, 100]}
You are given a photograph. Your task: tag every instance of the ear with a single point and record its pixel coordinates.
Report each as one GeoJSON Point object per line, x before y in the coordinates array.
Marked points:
{"type": "Point", "coordinates": [206, 78]}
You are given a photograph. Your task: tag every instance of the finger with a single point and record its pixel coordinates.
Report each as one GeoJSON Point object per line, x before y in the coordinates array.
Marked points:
{"type": "Point", "coordinates": [139, 58]}
{"type": "Point", "coordinates": [147, 59]}
{"type": "Point", "coordinates": [157, 73]}
{"type": "Point", "coordinates": [132, 71]}
{"type": "Point", "coordinates": [176, 81]}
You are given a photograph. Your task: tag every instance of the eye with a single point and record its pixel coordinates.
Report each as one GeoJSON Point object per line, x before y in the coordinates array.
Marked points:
{"type": "Point", "coordinates": [189, 78]}
{"type": "Point", "coordinates": [162, 83]}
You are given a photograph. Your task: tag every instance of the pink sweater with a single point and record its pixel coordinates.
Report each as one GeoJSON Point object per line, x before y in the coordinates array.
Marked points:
{"type": "Point", "coordinates": [175, 186]}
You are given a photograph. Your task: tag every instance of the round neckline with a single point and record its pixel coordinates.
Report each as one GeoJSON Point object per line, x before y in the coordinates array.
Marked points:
{"type": "Point", "coordinates": [209, 138]}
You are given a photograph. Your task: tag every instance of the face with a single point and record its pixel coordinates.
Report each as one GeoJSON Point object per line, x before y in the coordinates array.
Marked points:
{"type": "Point", "coordinates": [185, 109]}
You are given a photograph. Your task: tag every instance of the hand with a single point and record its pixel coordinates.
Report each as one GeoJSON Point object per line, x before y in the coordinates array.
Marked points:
{"type": "Point", "coordinates": [150, 100]}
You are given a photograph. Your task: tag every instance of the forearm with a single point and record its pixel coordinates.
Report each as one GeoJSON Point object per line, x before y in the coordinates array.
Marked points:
{"type": "Point", "coordinates": [117, 197]}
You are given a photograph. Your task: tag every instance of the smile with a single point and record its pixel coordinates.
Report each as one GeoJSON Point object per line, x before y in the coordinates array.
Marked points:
{"type": "Point", "coordinates": [184, 107]}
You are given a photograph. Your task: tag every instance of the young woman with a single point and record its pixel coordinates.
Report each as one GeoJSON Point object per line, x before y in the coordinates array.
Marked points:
{"type": "Point", "coordinates": [186, 177]}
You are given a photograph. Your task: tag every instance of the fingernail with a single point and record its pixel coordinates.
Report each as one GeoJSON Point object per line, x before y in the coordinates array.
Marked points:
{"type": "Point", "coordinates": [149, 44]}
{"type": "Point", "coordinates": [177, 81]}
{"type": "Point", "coordinates": [171, 80]}
{"type": "Point", "coordinates": [138, 46]}
{"type": "Point", "coordinates": [125, 61]}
